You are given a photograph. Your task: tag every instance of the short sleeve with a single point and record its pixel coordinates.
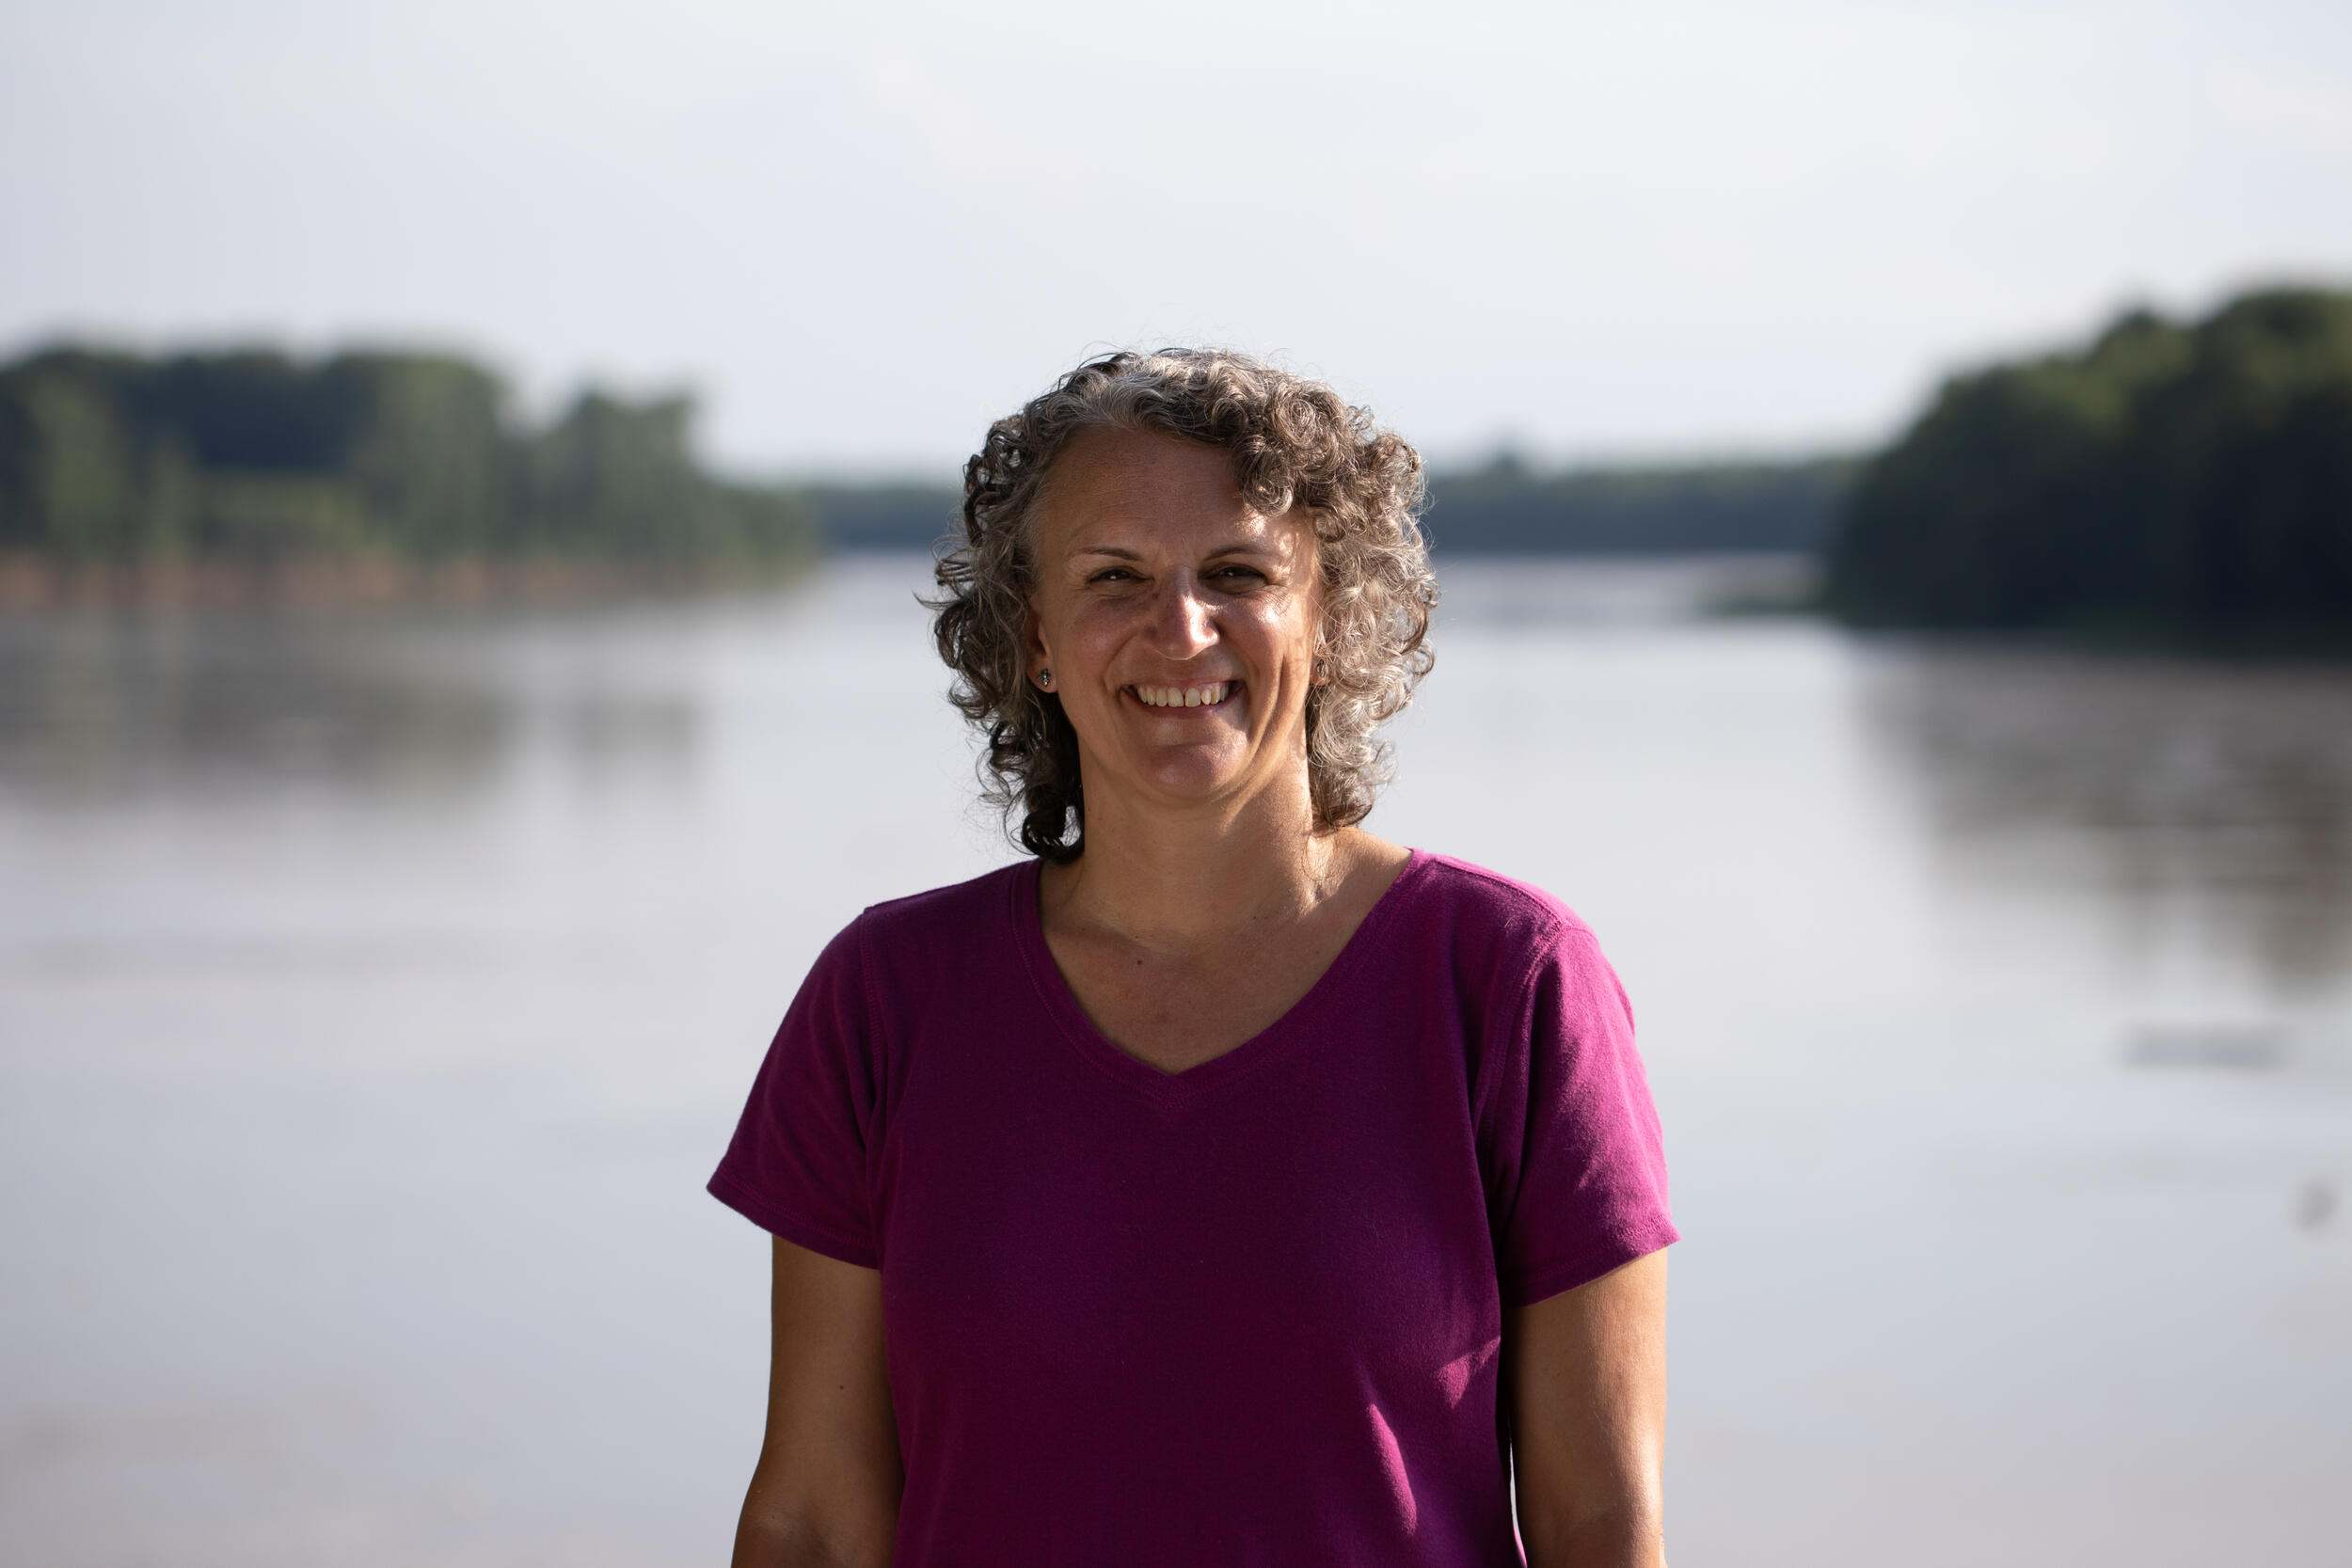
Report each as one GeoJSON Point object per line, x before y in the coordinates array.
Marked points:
{"type": "Point", "coordinates": [797, 1165]}
{"type": "Point", "coordinates": [1576, 1163]}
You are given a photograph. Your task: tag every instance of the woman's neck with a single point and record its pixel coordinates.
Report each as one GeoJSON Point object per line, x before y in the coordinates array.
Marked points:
{"type": "Point", "coordinates": [1200, 885]}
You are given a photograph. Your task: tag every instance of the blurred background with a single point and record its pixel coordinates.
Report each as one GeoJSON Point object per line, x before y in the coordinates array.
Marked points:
{"type": "Point", "coordinates": [465, 475]}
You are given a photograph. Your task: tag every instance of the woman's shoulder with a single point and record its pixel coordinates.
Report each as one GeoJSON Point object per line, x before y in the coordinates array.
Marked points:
{"type": "Point", "coordinates": [950, 909]}
{"type": "Point", "coordinates": [937, 940]}
{"type": "Point", "coordinates": [1476, 899]}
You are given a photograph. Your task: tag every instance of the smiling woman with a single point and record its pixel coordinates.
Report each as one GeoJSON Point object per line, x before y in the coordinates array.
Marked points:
{"type": "Point", "coordinates": [1284, 481]}
{"type": "Point", "coordinates": [1206, 598]}
{"type": "Point", "coordinates": [1218, 1182]}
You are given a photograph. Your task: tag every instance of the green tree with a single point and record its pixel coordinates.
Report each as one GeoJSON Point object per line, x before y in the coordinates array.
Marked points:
{"type": "Point", "coordinates": [2198, 478]}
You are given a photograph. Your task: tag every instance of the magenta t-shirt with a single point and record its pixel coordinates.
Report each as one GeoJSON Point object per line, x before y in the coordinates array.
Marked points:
{"type": "Point", "coordinates": [1244, 1313]}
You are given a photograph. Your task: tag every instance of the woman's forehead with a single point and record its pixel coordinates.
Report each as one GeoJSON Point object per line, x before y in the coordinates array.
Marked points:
{"type": "Point", "coordinates": [1132, 488]}
{"type": "Point", "coordinates": [1112, 461]}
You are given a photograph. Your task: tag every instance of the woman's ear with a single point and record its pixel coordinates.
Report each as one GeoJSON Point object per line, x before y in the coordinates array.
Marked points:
{"type": "Point", "coordinates": [1035, 655]}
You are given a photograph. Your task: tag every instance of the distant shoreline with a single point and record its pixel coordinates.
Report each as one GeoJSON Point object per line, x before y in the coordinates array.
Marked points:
{"type": "Point", "coordinates": [32, 581]}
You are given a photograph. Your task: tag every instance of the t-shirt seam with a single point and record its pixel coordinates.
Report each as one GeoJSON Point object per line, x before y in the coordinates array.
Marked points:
{"type": "Point", "coordinates": [1652, 1231]}
{"type": "Point", "coordinates": [1522, 1016]}
{"type": "Point", "coordinates": [910, 898]}
{"type": "Point", "coordinates": [1522, 1003]}
{"type": "Point", "coordinates": [748, 1194]}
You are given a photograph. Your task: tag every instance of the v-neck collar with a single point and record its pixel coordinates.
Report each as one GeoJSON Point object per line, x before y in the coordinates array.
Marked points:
{"type": "Point", "coordinates": [1202, 1079]}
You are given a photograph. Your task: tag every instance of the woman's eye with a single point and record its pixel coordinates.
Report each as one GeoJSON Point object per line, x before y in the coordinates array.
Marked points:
{"type": "Point", "coordinates": [1109, 572]}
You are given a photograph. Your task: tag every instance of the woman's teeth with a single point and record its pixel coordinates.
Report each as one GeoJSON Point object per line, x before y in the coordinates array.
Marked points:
{"type": "Point", "coordinates": [1184, 696]}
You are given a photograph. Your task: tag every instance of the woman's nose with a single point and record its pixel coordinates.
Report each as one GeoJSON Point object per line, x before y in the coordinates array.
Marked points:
{"type": "Point", "coordinates": [1181, 618]}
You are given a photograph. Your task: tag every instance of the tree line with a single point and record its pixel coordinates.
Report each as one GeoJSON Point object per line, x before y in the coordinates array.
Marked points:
{"type": "Point", "coordinates": [2192, 476]}
{"type": "Point", "coordinates": [254, 455]}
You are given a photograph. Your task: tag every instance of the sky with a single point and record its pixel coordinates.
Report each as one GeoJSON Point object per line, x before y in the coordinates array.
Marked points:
{"type": "Point", "coordinates": [859, 234]}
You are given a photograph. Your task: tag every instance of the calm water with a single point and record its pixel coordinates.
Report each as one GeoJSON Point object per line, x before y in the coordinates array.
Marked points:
{"type": "Point", "coordinates": [376, 992]}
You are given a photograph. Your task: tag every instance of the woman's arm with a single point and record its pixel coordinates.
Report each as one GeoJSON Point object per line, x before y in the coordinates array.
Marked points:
{"type": "Point", "coordinates": [1586, 1372]}
{"type": "Point", "coordinates": [825, 1492]}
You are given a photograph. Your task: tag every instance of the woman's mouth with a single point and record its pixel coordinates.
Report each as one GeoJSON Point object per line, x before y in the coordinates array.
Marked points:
{"type": "Point", "coordinates": [1175, 702]}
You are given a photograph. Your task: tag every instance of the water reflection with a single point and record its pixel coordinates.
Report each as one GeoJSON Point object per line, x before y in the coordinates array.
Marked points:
{"type": "Point", "coordinates": [2207, 808]}
{"type": "Point", "coordinates": [101, 709]}
{"type": "Point", "coordinates": [110, 707]}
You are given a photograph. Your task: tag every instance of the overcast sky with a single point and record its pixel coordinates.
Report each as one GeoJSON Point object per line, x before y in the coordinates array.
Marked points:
{"type": "Point", "coordinates": [861, 232]}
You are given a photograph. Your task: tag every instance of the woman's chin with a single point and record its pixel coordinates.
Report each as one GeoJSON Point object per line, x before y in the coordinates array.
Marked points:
{"type": "Point", "coordinates": [1194, 772]}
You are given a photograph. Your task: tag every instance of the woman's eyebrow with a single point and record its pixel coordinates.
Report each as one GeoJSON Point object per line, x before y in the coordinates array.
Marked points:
{"type": "Point", "coordinates": [1234, 547]}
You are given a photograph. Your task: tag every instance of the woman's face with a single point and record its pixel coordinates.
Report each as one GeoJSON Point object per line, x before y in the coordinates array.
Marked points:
{"type": "Point", "coordinates": [1152, 572]}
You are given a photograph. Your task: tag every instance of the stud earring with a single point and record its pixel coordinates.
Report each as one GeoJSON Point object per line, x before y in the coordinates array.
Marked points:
{"type": "Point", "coordinates": [1045, 679]}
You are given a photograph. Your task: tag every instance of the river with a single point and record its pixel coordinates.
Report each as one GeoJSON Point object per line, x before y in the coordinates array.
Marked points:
{"type": "Point", "coordinates": [378, 988]}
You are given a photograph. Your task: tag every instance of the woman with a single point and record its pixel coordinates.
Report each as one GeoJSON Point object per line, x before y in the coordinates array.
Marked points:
{"type": "Point", "coordinates": [1218, 1182]}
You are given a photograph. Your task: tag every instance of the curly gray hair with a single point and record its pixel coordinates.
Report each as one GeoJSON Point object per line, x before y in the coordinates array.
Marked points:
{"type": "Point", "coordinates": [1293, 442]}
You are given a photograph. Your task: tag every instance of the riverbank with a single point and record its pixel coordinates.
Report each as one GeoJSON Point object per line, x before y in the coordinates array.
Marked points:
{"type": "Point", "coordinates": [29, 581]}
